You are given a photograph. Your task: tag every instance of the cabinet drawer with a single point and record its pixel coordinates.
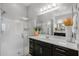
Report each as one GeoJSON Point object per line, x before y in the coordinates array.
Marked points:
{"type": "Point", "coordinates": [61, 48]}
{"type": "Point", "coordinates": [65, 51]}
{"type": "Point", "coordinates": [60, 51]}
{"type": "Point", "coordinates": [59, 54]}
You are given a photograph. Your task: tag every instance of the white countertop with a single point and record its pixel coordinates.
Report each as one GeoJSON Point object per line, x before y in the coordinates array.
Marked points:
{"type": "Point", "coordinates": [61, 41]}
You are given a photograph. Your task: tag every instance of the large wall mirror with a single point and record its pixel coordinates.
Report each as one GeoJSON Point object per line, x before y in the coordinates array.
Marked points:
{"type": "Point", "coordinates": [52, 22]}
{"type": "Point", "coordinates": [59, 28]}
{"type": "Point", "coordinates": [46, 22]}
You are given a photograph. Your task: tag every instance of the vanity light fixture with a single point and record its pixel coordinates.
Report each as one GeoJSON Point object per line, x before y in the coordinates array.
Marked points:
{"type": "Point", "coordinates": [45, 8]}
{"type": "Point", "coordinates": [48, 8]}
{"type": "Point", "coordinates": [41, 9]}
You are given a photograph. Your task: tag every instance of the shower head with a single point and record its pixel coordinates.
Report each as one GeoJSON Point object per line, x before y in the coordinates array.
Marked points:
{"type": "Point", "coordinates": [3, 12]}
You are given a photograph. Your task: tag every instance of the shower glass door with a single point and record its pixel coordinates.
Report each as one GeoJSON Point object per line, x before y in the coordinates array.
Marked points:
{"type": "Point", "coordinates": [0, 20]}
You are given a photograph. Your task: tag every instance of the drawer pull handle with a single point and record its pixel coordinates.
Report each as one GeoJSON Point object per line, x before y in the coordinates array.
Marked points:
{"type": "Point", "coordinates": [60, 50]}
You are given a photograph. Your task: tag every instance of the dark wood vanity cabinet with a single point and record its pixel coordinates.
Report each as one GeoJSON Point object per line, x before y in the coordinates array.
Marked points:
{"type": "Point", "coordinates": [39, 48]}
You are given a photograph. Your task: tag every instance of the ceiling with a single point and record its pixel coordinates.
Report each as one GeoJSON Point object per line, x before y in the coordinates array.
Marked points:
{"type": "Point", "coordinates": [27, 4]}
{"type": "Point", "coordinates": [35, 7]}
{"type": "Point", "coordinates": [14, 10]}
{"type": "Point", "coordinates": [24, 4]}
{"type": "Point", "coordinates": [17, 10]}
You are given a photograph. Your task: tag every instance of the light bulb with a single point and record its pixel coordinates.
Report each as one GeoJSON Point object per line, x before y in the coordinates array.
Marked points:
{"type": "Point", "coordinates": [45, 8]}
{"type": "Point", "coordinates": [41, 9]}
{"type": "Point", "coordinates": [49, 6]}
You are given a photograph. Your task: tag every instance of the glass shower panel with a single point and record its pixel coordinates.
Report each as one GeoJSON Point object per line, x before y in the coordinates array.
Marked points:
{"type": "Point", "coordinates": [0, 20]}
{"type": "Point", "coordinates": [2, 26]}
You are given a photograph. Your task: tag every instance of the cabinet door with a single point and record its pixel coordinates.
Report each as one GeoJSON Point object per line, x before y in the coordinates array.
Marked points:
{"type": "Point", "coordinates": [46, 48]}
{"type": "Point", "coordinates": [46, 51]}
{"type": "Point", "coordinates": [37, 50]}
{"type": "Point", "coordinates": [42, 48]}
{"type": "Point", "coordinates": [31, 47]}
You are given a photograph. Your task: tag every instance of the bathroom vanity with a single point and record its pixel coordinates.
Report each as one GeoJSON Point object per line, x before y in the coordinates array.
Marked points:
{"type": "Point", "coordinates": [51, 47]}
